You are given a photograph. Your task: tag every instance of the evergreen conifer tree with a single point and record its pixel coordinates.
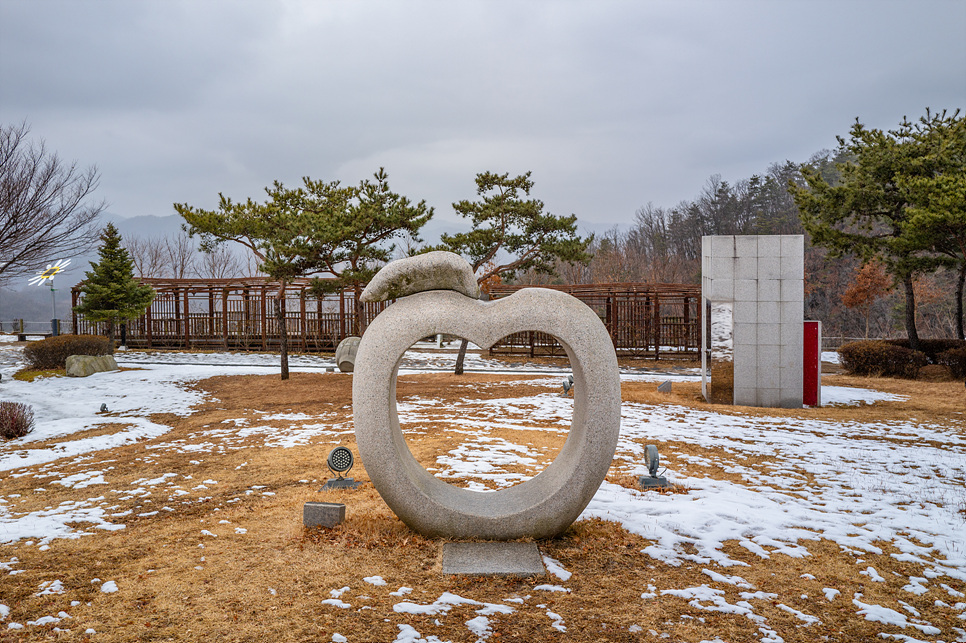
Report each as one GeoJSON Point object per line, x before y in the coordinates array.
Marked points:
{"type": "Point", "coordinates": [321, 227]}
{"type": "Point", "coordinates": [110, 292]}
{"type": "Point", "coordinates": [888, 177]}
{"type": "Point", "coordinates": [511, 233]}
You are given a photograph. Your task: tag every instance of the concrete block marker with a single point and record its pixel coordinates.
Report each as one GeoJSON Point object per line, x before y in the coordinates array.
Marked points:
{"type": "Point", "coordinates": [323, 514]}
{"type": "Point", "coordinates": [756, 310]}
{"type": "Point", "coordinates": [664, 387]}
{"type": "Point", "coordinates": [493, 559]}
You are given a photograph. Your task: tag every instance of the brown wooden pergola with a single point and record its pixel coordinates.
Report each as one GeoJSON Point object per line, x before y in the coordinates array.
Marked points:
{"type": "Point", "coordinates": [644, 320]}
{"type": "Point", "coordinates": [236, 314]}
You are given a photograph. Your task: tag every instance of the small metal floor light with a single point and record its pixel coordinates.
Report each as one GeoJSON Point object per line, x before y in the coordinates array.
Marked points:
{"type": "Point", "coordinates": [568, 385]}
{"type": "Point", "coordinates": [340, 460]}
{"type": "Point", "coordinates": [653, 462]}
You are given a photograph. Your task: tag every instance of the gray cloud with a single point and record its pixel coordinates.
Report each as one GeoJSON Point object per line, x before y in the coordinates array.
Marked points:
{"type": "Point", "coordinates": [611, 104]}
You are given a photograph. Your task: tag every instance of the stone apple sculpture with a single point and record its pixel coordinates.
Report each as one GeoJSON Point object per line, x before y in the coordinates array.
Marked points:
{"type": "Point", "coordinates": [437, 293]}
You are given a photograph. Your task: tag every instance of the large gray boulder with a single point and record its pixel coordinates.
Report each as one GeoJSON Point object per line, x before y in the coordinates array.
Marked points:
{"type": "Point", "coordinates": [345, 354]}
{"type": "Point", "coordinates": [84, 365]}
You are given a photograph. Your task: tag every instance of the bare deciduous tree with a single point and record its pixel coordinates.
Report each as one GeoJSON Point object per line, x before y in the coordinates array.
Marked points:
{"type": "Point", "coordinates": [148, 256]}
{"type": "Point", "coordinates": [220, 263]}
{"type": "Point", "coordinates": [44, 206]}
{"type": "Point", "coordinates": [178, 258]}
{"type": "Point", "coordinates": [181, 254]}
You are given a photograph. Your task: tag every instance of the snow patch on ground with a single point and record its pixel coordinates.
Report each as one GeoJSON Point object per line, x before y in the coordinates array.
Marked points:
{"type": "Point", "coordinates": [790, 479]}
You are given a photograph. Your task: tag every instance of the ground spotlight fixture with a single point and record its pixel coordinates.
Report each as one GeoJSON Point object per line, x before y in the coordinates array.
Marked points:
{"type": "Point", "coordinates": [340, 460]}
{"type": "Point", "coordinates": [653, 462]}
{"type": "Point", "coordinates": [568, 385]}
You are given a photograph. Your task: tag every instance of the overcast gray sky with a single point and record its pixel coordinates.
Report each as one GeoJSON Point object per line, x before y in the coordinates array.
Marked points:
{"type": "Point", "coordinates": [610, 104]}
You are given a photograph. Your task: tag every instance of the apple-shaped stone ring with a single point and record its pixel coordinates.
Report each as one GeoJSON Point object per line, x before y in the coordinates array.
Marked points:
{"type": "Point", "coordinates": [437, 293]}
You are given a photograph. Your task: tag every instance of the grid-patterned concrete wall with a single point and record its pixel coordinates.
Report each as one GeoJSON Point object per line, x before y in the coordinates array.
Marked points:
{"type": "Point", "coordinates": [763, 277]}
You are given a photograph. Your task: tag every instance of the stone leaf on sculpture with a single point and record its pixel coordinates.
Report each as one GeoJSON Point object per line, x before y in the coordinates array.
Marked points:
{"type": "Point", "coordinates": [540, 507]}
{"type": "Point", "coordinates": [436, 270]}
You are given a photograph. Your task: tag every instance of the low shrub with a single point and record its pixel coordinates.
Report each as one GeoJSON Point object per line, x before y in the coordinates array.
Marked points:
{"type": "Point", "coordinates": [54, 351]}
{"type": "Point", "coordinates": [931, 347]}
{"type": "Point", "coordinates": [16, 420]}
{"type": "Point", "coordinates": [881, 358]}
{"type": "Point", "coordinates": [955, 360]}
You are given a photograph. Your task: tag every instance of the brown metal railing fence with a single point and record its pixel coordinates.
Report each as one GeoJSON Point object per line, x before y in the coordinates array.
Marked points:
{"type": "Point", "coordinates": [236, 314]}
{"type": "Point", "coordinates": [644, 320]}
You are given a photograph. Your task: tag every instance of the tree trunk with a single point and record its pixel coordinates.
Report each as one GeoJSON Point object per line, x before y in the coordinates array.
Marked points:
{"type": "Point", "coordinates": [357, 309]}
{"type": "Point", "coordinates": [911, 331]}
{"type": "Point", "coordinates": [282, 330]}
{"type": "Point", "coordinates": [959, 302]}
{"type": "Point", "coordinates": [461, 357]}
{"type": "Point", "coordinates": [110, 336]}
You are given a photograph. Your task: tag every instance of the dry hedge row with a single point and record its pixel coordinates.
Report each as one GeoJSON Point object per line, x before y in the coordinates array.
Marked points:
{"type": "Point", "coordinates": [54, 351]}
{"type": "Point", "coordinates": [955, 360]}
{"type": "Point", "coordinates": [16, 420]}
{"type": "Point", "coordinates": [933, 348]}
{"type": "Point", "coordinates": [893, 358]}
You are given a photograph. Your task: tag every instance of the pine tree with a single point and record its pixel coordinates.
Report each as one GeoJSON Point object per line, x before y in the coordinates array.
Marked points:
{"type": "Point", "coordinates": [321, 227]}
{"type": "Point", "coordinates": [512, 233]}
{"type": "Point", "coordinates": [938, 201]}
{"type": "Point", "coordinates": [110, 292]}
{"type": "Point", "coordinates": [360, 235]}
{"type": "Point", "coordinates": [868, 211]}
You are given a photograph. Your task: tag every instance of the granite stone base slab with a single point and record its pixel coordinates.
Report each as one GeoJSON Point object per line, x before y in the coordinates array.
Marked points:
{"type": "Point", "coordinates": [647, 482]}
{"type": "Point", "coordinates": [493, 559]}
{"type": "Point", "coordinates": [340, 483]}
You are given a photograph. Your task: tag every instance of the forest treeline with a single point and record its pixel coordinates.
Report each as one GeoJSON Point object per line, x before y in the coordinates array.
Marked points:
{"type": "Point", "coordinates": [663, 245]}
{"type": "Point", "coordinates": [854, 295]}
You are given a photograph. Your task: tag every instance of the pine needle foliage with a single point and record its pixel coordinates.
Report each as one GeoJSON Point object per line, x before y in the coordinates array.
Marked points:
{"type": "Point", "coordinates": [511, 233]}
{"type": "Point", "coordinates": [321, 227]}
{"type": "Point", "coordinates": [110, 293]}
{"type": "Point", "coordinates": [890, 200]}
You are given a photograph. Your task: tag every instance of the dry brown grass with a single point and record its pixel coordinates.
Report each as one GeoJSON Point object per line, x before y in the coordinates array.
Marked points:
{"type": "Point", "coordinates": [164, 596]}
{"type": "Point", "coordinates": [928, 402]}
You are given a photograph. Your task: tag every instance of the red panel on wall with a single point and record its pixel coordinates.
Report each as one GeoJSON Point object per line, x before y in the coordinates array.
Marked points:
{"type": "Point", "coordinates": [812, 379]}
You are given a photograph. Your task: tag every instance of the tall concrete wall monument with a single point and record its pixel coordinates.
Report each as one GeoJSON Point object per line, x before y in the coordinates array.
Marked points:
{"type": "Point", "coordinates": [753, 291]}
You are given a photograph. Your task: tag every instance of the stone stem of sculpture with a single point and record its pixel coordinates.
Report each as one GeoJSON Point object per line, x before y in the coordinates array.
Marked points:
{"type": "Point", "coordinates": [437, 293]}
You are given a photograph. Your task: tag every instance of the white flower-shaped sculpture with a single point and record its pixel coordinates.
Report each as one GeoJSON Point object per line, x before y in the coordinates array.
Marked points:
{"type": "Point", "coordinates": [49, 272]}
